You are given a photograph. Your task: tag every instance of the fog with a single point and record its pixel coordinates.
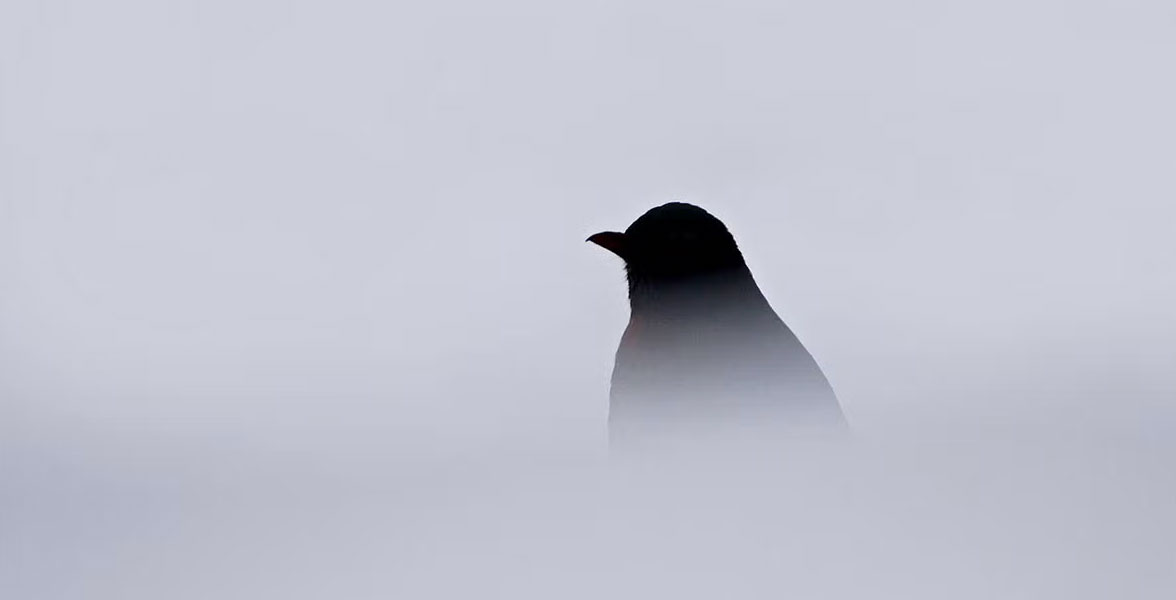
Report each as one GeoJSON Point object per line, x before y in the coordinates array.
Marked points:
{"type": "Point", "coordinates": [295, 299]}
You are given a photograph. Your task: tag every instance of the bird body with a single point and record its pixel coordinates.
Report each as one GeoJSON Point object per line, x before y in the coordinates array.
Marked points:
{"type": "Point", "coordinates": [703, 346]}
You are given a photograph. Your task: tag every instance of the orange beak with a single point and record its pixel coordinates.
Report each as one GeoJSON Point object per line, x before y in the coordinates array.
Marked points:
{"type": "Point", "coordinates": [610, 240]}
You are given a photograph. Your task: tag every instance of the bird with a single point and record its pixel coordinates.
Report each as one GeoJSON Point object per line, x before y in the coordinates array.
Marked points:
{"type": "Point", "coordinates": [703, 348]}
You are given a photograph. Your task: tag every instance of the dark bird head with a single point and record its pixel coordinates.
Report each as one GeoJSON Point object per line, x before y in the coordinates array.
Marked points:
{"type": "Point", "coordinates": [676, 250]}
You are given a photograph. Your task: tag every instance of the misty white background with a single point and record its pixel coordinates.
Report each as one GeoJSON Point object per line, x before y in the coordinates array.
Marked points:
{"type": "Point", "coordinates": [254, 247]}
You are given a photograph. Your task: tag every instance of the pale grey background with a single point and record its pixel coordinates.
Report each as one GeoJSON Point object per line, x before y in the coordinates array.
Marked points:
{"type": "Point", "coordinates": [250, 243]}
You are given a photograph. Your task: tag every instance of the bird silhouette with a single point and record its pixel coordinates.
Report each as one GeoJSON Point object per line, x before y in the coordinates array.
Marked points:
{"type": "Point", "coordinates": [703, 346]}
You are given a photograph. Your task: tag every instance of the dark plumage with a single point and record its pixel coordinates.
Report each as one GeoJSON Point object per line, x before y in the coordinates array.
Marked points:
{"type": "Point", "coordinates": [703, 346]}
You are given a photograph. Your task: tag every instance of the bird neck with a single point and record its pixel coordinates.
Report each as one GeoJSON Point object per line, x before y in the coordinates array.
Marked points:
{"type": "Point", "coordinates": [730, 291]}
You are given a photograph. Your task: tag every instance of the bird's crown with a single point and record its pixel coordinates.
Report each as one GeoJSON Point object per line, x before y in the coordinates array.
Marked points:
{"type": "Point", "coordinates": [673, 240]}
